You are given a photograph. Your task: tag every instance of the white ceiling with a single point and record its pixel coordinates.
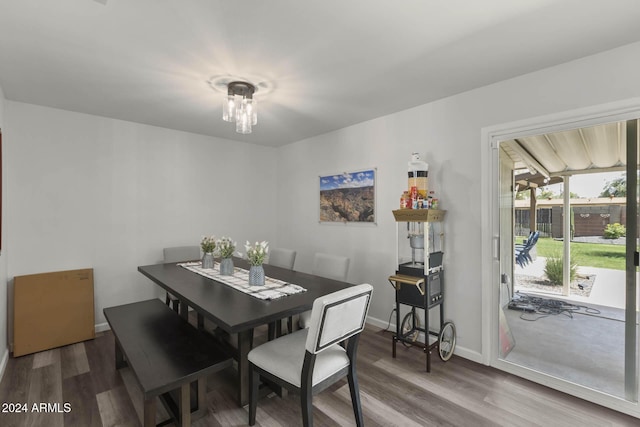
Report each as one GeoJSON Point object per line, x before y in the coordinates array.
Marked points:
{"type": "Point", "coordinates": [329, 64]}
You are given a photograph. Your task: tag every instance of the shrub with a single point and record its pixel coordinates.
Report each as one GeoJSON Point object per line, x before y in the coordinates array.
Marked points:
{"type": "Point", "coordinates": [614, 231]}
{"type": "Point", "coordinates": [554, 268]}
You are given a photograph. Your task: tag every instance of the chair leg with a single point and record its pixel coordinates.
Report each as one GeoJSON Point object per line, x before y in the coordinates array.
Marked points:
{"type": "Point", "coordinates": [176, 305]}
{"type": "Point", "coordinates": [254, 382]}
{"type": "Point", "coordinates": [167, 300]}
{"type": "Point", "coordinates": [307, 406]}
{"type": "Point", "coordinates": [306, 389]}
{"type": "Point", "coordinates": [352, 377]}
{"type": "Point", "coordinates": [355, 396]}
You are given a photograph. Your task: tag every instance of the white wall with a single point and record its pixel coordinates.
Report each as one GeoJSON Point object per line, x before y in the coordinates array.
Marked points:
{"type": "Point", "coordinates": [86, 191]}
{"type": "Point", "coordinates": [4, 351]}
{"type": "Point", "coordinates": [448, 134]}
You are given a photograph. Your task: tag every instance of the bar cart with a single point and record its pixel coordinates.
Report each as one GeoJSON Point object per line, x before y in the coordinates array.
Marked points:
{"type": "Point", "coordinates": [419, 281]}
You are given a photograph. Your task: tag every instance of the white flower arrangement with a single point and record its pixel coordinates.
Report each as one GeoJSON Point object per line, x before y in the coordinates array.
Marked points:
{"type": "Point", "coordinates": [226, 247]}
{"type": "Point", "coordinates": [208, 244]}
{"type": "Point", "coordinates": [256, 253]}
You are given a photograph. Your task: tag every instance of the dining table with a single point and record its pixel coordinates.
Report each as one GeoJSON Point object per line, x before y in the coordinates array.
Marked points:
{"type": "Point", "coordinates": [237, 312]}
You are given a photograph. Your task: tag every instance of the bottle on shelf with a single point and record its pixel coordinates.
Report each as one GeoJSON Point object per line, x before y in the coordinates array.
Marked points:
{"type": "Point", "coordinates": [418, 174]}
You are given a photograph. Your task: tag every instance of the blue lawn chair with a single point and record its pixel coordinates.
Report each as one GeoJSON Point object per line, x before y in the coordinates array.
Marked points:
{"type": "Point", "coordinates": [523, 257]}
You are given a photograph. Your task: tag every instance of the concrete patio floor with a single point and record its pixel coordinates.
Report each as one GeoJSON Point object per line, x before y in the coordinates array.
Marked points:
{"type": "Point", "coordinates": [573, 346]}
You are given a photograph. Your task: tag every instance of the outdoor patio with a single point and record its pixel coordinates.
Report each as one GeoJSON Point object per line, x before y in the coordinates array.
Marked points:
{"type": "Point", "coordinates": [584, 345]}
{"type": "Point", "coordinates": [608, 287]}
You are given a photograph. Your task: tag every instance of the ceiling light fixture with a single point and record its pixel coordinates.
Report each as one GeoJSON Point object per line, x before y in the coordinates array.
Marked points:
{"type": "Point", "coordinates": [239, 106]}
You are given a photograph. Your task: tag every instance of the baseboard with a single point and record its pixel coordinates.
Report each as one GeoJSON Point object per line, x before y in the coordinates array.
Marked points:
{"type": "Point", "coordinates": [3, 363]}
{"type": "Point", "coordinates": [459, 351]}
{"type": "Point", "coordinates": [383, 324]}
{"type": "Point", "coordinates": [463, 352]}
{"type": "Point", "coordinates": [101, 327]}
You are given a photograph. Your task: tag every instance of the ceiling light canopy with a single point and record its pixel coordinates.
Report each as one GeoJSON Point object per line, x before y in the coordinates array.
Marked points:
{"type": "Point", "coordinates": [239, 106]}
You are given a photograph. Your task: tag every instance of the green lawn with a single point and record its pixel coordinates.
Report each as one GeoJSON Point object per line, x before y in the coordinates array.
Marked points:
{"type": "Point", "coordinates": [585, 254]}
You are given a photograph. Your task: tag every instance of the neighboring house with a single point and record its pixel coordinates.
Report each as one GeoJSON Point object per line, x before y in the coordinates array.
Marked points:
{"type": "Point", "coordinates": [590, 216]}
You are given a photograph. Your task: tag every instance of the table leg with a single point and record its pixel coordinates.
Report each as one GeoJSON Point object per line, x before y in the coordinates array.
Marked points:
{"type": "Point", "coordinates": [200, 321]}
{"type": "Point", "coordinates": [245, 339]}
{"type": "Point", "coordinates": [202, 396]}
{"type": "Point", "coordinates": [185, 405]}
{"type": "Point", "coordinates": [150, 412]}
{"type": "Point", "coordinates": [184, 310]}
{"type": "Point", "coordinates": [120, 361]}
{"type": "Point", "coordinates": [274, 330]}
{"type": "Point", "coordinates": [271, 331]}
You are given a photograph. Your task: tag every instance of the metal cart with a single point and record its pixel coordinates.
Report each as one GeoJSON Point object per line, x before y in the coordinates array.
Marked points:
{"type": "Point", "coordinates": [419, 282]}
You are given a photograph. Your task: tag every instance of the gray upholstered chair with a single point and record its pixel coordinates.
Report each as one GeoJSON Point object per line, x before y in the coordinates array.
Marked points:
{"type": "Point", "coordinates": [179, 254]}
{"type": "Point", "coordinates": [310, 360]}
{"type": "Point", "coordinates": [284, 258]}
{"type": "Point", "coordinates": [330, 266]}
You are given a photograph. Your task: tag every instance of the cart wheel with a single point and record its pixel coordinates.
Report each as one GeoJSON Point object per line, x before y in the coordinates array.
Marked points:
{"type": "Point", "coordinates": [406, 327]}
{"type": "Point", "coordinates": [447, 341]}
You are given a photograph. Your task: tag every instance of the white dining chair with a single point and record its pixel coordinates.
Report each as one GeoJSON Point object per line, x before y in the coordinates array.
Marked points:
{"type": "Point", "coordinates": [330, 266]}
{"type": "Point", "coordinates": [179, 254]}
{"type": "Point", "coordinates": [281, 257]}
{"type": "Point", "coordinates": [310, 360]}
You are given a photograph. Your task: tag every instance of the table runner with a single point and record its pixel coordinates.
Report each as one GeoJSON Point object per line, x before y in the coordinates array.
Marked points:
{"type": "Point", "coordinates": [272, 288]}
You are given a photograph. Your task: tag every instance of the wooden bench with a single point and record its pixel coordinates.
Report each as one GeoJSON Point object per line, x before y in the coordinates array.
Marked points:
{"type": "Point", "coordinates": [168, 357]}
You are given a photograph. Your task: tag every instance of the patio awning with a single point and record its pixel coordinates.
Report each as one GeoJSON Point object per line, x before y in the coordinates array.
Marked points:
{"type": "Point", "coordinates": [593, 149]}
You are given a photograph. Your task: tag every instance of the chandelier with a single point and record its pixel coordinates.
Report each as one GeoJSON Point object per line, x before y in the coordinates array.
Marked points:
{"type": "Point", "coordinates": [239, 106]}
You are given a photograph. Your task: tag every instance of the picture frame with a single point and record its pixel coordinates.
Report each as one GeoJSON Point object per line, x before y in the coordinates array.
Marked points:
{"type": "Point", "coordinates": [348, 197]}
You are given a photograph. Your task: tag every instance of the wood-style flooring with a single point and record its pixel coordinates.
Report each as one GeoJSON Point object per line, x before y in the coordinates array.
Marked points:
{"type": "Point", "coordinates": [394, 392]}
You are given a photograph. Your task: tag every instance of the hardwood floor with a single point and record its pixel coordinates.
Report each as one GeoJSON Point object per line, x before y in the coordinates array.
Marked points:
{"type": "Point", "coordinates": [394, 392]}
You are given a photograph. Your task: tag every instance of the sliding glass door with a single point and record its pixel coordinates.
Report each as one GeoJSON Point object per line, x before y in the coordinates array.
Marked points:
{"type": "Point", "coordinates": [547, 329]}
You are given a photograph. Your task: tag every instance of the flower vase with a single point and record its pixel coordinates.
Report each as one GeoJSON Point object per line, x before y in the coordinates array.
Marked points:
{"type": "Point", "coordinates": [207, 260]}
{"type": "Point", "coordinates": [256, 275]}
{"type": "Point", "coordinates": [226, 267]}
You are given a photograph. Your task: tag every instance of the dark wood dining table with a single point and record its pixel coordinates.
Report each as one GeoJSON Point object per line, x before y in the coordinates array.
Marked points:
{"type": "Point", "coordinates": [236, 312]}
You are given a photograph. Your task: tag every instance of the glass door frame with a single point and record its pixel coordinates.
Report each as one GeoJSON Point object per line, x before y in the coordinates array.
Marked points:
{"type": "Point", "coordinates": [491, 243]}
{"type": "Point", "coordinates": [631, 285]}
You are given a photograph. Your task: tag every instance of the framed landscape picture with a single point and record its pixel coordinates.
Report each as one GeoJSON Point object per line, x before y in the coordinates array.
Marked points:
{"type": "Point", "coordinates": [348, 197]}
